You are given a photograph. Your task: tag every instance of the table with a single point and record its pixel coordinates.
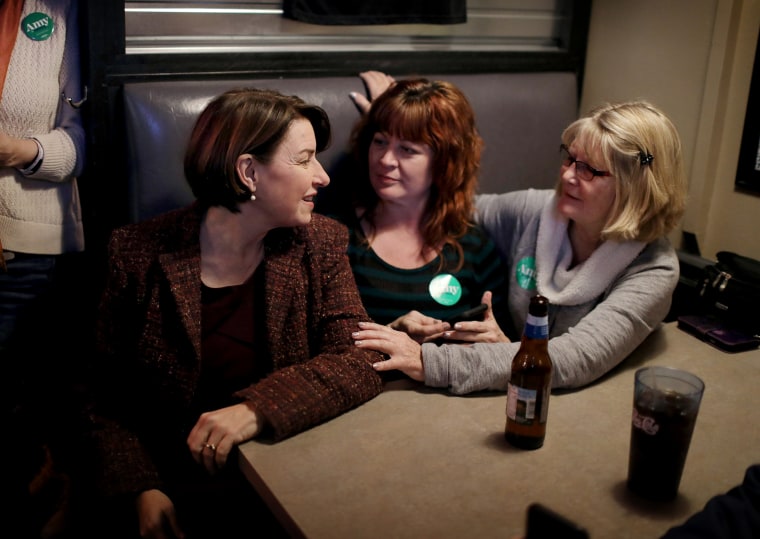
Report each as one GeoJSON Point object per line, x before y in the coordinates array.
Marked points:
{"type": "Point", "coordinates": [417, 462]}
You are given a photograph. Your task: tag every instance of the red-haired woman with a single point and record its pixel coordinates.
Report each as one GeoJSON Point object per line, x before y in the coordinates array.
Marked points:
{"type": "Point", "coordinates": [414, 245]}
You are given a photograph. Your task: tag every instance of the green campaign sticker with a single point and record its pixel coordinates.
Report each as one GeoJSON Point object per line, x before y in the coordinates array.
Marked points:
{"type": "Point", "coordinates": [445, 289]}
{"type": "Point", "coordinates": [38, 26]}
{"type": "Point", "coordinates": [525, 273]}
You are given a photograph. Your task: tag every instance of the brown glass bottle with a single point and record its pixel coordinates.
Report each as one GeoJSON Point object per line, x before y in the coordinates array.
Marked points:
{"type": "Point", "coordinates": [530, 383]}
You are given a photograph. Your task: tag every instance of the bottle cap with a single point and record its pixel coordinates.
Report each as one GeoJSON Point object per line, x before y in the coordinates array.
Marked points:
{"type": "Point", "coordinates": [539, 306]}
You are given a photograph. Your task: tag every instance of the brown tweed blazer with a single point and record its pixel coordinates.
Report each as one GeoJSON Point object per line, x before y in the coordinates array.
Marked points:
{"type": "Point", "coordinates": [149, 340]}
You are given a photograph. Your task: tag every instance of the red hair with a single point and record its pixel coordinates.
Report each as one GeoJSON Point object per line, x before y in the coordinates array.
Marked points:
{"type": "Point", "coordinates": [438, 114]}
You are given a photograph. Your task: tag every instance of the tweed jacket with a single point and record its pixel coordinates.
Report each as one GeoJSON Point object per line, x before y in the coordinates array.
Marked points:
{"type": "Point", "coordinates": [149, 342]}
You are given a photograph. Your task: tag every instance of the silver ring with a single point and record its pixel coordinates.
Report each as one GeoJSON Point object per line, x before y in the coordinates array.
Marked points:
{"type": "Point", "coordinates": [212, 447]}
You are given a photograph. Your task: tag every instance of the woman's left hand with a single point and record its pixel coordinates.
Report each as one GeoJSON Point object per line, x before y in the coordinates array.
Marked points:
{"type": "Point", "coordinates": [405, 354]}
{"type": "Point", "coordinates": [471, 332]}
{"type": "Point", "coordinates": [217, 432]}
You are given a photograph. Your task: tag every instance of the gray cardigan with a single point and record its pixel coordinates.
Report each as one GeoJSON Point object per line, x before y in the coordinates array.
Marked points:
{"type": "Point", "coordinates": [626, 297]}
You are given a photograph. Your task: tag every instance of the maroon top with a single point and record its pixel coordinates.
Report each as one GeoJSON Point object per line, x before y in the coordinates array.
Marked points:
{"type": "Point", "coordinates": [228, 339]}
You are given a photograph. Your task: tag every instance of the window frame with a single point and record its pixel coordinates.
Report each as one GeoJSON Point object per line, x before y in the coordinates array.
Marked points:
{"type": "Point", "coordinates": [107, 67]}
{"type": "Point", "coordinates": [748, 166]}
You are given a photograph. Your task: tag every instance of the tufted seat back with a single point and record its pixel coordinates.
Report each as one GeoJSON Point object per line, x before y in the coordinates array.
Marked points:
{"type": "Point", "coordinates": [520, 117]}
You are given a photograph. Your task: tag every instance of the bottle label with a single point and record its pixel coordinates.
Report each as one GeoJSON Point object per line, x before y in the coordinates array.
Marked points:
{"type": "Point", "coordinates": [537, 327]}
{"type": "Point", "coordinates": [521, 404]}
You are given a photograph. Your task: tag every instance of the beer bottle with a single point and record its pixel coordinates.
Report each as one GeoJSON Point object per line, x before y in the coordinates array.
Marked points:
{"type": "Point", "coordinates": [531, 381]}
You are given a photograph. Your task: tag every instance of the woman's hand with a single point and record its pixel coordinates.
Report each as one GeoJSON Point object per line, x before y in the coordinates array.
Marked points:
{"type": "Point", "coordinates": [156, 517]}
{"type": "Point", "coordinates": [376, 83]}
{"type": "Point", "coordinates": [405, 354]}
{"type": "Point", "coordinates": [486, 331]}
{"type": "Point", "coordinates": [16, 152]}
{"type": "Point", "coordinates": [217, 432]}
{"type": "Point", "coordinates": [419, 327]}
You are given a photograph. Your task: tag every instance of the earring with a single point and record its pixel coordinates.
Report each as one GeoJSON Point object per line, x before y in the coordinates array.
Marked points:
{"type": "Point", "coordinates": [253, 196]}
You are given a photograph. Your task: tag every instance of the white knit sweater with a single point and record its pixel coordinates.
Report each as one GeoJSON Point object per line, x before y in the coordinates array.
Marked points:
{"type": "Point", "coordinates": [40, 213]}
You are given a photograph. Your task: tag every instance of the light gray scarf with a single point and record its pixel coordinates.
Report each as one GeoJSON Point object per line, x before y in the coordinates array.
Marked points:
{"type": "Point", "coordinates": [586, 281]}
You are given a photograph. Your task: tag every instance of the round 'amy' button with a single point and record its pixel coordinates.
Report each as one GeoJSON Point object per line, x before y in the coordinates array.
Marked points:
{"type": "Point", "coordinates": [38, 26]}
{"type": "Point", "coordinates": [445, 289]}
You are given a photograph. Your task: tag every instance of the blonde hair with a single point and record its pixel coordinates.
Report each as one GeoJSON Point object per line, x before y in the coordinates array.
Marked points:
{"type": "Point", "coordinates": [641, 148]}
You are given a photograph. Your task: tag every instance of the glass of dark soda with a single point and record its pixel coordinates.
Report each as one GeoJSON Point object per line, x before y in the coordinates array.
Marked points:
{"type": "Point", "coordinates": [665, 406]}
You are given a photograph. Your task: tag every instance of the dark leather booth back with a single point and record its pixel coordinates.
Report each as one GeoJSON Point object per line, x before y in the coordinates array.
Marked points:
{"type": "Point", "coordinates": [520, 117]}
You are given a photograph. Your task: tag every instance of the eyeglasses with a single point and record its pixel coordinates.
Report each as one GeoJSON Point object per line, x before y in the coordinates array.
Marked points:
{"type": "Point", "coordinates": [583, 170]}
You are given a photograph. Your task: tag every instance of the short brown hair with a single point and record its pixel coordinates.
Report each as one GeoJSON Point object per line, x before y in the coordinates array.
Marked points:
{"type": "Point", "coordinates": [641, 148]}
{"type": "Point", "coordinates": [244, 120]}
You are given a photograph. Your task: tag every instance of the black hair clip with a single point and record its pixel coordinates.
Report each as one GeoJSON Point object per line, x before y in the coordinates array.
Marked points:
{"type": "Point", "coordinates": [645, 158]}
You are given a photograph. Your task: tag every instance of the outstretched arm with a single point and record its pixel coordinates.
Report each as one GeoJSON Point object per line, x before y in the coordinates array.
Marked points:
{"type": "Point", "coordinates": [402, 351]}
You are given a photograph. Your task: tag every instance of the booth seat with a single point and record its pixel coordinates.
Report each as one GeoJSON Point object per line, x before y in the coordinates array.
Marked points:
{"type": "Point", "coordinates": [519, 115]}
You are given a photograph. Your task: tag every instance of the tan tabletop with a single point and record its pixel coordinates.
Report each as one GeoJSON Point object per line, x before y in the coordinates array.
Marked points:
{"type": "Point", "coordinates": [416, 462]}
